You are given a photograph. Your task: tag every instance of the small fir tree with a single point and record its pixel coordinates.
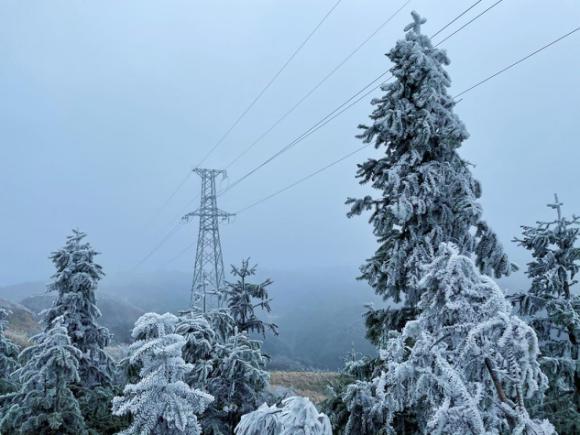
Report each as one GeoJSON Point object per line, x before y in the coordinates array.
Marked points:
{"type": "Point", "coordinates": [161, 403]}
{"type": "Point", "coordinates": [466, 364]}
{"type": "Point", "coordinates": [552, 309]}
{"type": "Point", "coordinates": [75, 282]}
{"type": "Point", "coordinates": [45, 403]}
{"type": "Point", "coordinates": [237, 382]}
{"type": "Point", "coordinates": [242, 299]}
{"type": "Point", "coordinates": [427, 194]}
{"type": "Point", "coordinates": [227, 364]}
{"type": "Point", "coordinates": [8, 356]}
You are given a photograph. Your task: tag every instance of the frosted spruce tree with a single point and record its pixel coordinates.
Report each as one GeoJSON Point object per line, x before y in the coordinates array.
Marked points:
{"type": "Point", "coordinates": [75, 283]}
{"type": "Point", "coordinates": [552, 309]}
{"type": "Point", "coordinates": [427, 194]}
{"type": "Point", "coordinates": [8, 356]}
{"type": "Point", "coordinates": [466, 364]}
{"type": "Point", "coordinates": [161, 403]}
{"type": "Point", "coordinates": [45, 403]}
{"type": "Point", "coordinates": [350, 402]}
{"type": "Point", "coordinates": [227, 364]}
{"type": "Point", "coordinates": [296, 416]}
{"type": "Point", "coordinates": [243, 298]}
{"type": "Point", "coordinates": [199, 348]}
{"type": "Point", "coordinates": [238, 381]}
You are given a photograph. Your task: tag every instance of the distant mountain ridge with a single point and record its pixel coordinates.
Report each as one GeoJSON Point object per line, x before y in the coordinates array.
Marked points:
{"type": "Point", "coordinates": [319, 312]}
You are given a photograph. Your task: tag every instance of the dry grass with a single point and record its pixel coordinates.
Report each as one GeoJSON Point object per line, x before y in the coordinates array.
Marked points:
{"type": "Point", "coordinates": [18, 338]}
{"type": "Point", "coordinates": [309, 384]}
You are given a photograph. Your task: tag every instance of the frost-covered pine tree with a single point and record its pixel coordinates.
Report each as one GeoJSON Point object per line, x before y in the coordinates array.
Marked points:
{"type": "Point", "coordinates": [350, 405]}
{"type": "Point", "coordinates": [45, 403]}
{"type": "Point", "coordinates": [226, 364]}
{"type": "Point", "coordinates": [552, 309]}
{"type": "Point", "coordinates": [8, 356]}
{"type": "Point", "coordinates": [199, 348]}
{"type": "Point", "coordinates": [75, 282]}
{"type": "Point", "coordinates": [427, 194]}
{"type": "Point", "coordinates": [238, 380]}
{"type": "Point", "coordinates": [296, 416]}
{"type": "Point", "coordinates": [242, 299]}
{"type": "Point", "coordinates": [466, 364]}
{"type": "Point", "coordinates": [161, 403]}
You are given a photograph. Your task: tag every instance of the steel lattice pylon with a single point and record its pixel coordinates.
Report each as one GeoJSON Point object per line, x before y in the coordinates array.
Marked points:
{"type": "Point", "coordinates": [208, 272]}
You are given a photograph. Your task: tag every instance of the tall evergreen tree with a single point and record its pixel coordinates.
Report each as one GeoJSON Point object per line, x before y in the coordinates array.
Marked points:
{"type": "Point", "coordinates": [427, 194]}
{"type": "Point", "coordinates": [75, 282]}
{"type": "Point", "coordinates": [8, 356]}
{"type": "Point", "coordinates": [552, 309]}
{"type": "Point", "coordinates": [466, 364]}
{"type": "Point", "coordinates": [45, 403]}
{"type": "Point", "coordinates": [161, 403]}
{"type": "Point", "coordinates": [242, 299]}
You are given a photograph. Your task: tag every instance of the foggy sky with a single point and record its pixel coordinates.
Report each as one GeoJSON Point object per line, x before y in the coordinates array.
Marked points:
{"type": "Point", "coordinates": [105, 107]}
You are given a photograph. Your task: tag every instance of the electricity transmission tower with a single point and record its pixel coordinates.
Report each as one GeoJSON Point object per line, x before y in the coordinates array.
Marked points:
{"type": "Point", "coordinates": [208, 273]}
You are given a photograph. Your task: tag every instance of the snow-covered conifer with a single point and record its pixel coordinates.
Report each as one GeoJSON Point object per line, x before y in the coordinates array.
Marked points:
{"type": "Point", "coordinates": [466, 364]}
{"type": "Point", "coordinates": [242, 299]}
{"type": "Point", "coordinates": [552, 309]}
{"type": "Point", "coordinates": [237, 380]}
{"type": "Point", "coordinates": [199, 348]}
{"type": "Point", "coordinates": [8, 356]}
{"type": "Point", "coordinates": [239, 376]}
{"type": "Point", "coordinates": [427, 194]}
{"type": "Point", "coordinates": [296, 416]}
{"type": "Point", "coordinates": [226, 363]}
{"type": "Point", "coordinates": [351, 405]}
{"type": "Point", "coordinates": [75, 282]}
{"type": "Point", "coordinates": [161, 403]}
{"type": "Point", "coordinates": [45, 403]}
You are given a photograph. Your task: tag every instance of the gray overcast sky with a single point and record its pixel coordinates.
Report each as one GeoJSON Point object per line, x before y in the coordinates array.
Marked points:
{"type": "Point", "coordinates": [105, 106]}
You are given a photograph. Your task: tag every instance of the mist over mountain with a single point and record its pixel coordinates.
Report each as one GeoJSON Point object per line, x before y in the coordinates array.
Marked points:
{"type": "Point", "coordinates": [318, 311]}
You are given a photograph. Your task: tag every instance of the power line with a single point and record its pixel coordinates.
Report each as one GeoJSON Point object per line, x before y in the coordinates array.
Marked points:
{"type": "Point", "coordinates": [247, 109]}
{"type": "Point", "coordinates": [517, 62]}
{"type": "Point", "coordinates": [469, 22]}
{"type": "Point", "coordinates": [278, 192]}
{"type": "Point", "coordinates": [328, 166]}
{"type": "Point", "coordinates": [317, 86]}
{"type": "Point", "coordinates": [303, 179]}
{"type": "Point", "coordinates": [265, 88]}
{"type": "Point", "coordinates": [336, 112]}
{"type": "Point", "coordinates": [171, 232]}
{"type": "Point", "coordinates": [182, 252]}
{"type": "Point", "coordinates": [348, 155]}
{"type": "Point", "coordinates": [332, 115]}
{"type": "Point", "coordinates": [320, 83]}
{"type": "Point", "coordinates": [168, 200]}
{"type": "Point", "coordinates": [455, 19]}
